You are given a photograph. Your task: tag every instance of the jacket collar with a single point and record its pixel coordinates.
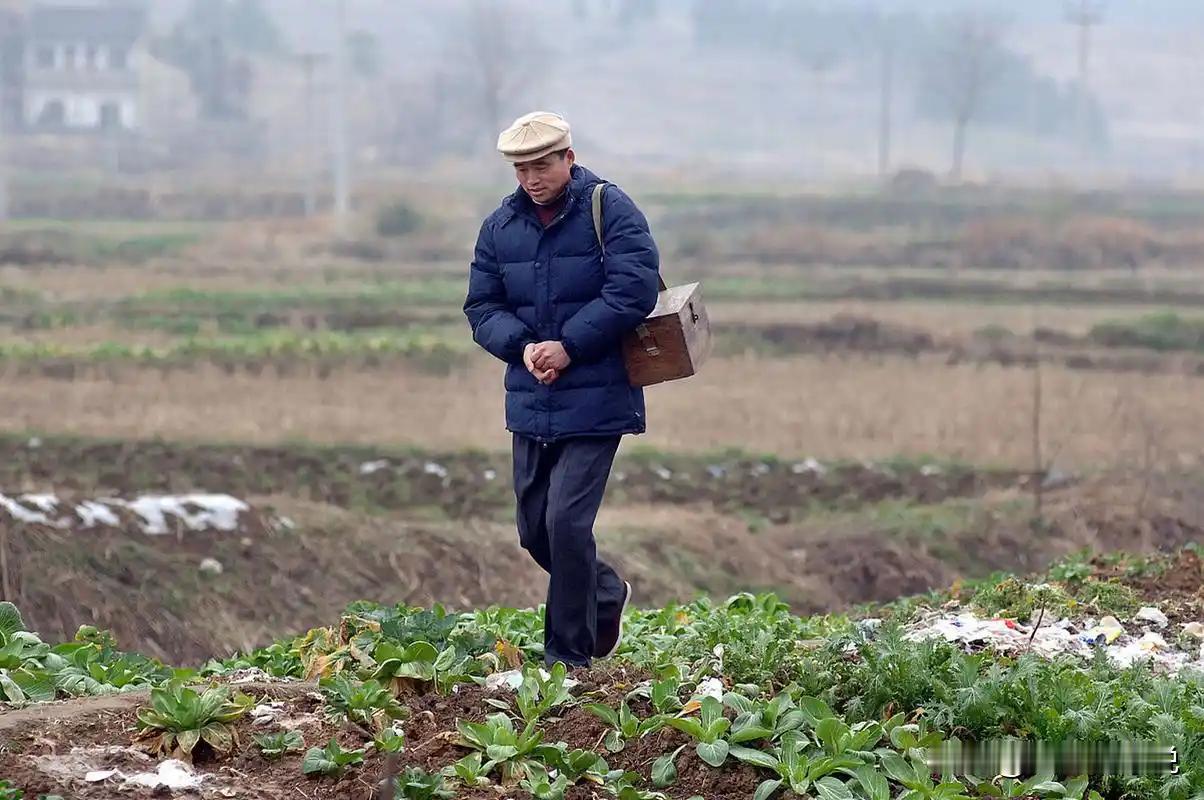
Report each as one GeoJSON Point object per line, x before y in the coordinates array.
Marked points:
{"type": "Point", "coordinates": [581, 181]}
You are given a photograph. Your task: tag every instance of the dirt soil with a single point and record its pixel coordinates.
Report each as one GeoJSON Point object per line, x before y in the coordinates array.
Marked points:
{"type": "Point", "coordinates": [284, 580]}
{"type": "Point", "coordinates": [52, 751]}
{"type": "Point", "coordinates": [1176, 585]}
{"type": "Point", "coordinates": [463, 485]}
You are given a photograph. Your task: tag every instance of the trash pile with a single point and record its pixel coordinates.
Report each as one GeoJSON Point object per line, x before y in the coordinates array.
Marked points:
{"type": "Point", "coordinates": [154, 515]}
{"type": "Point", "coordinates": [1143, 639]}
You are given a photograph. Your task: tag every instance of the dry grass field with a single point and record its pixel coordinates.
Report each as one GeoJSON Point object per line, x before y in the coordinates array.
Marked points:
{"type": "Point", "coordinates": [278, 337]}
{"type": "Point", "coordinates": [835, 407]}
{"type": "Point", "coordinates": [941, 318]}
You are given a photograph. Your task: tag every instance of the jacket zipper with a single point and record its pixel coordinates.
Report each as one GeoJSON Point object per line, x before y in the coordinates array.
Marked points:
{"type": "Point", "coordinates": [568, 204]}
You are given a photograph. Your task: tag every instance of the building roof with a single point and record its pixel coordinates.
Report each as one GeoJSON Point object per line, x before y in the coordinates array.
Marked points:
{"type": "Point", "coordinates": [87, 23]}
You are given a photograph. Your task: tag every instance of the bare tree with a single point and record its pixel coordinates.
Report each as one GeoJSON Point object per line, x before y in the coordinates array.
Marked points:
{"type": "Point", "coordinates": [503, 59]}
{"type": "Point", "coordinates": [964, 68]}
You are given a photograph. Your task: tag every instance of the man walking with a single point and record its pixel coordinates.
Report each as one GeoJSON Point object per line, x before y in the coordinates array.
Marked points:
{"type": "Point", "coordinates": [544, 297]}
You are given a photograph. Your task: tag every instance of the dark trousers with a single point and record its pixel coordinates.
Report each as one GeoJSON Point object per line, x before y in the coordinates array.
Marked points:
{"type": "Point", "coordinates": [559, 487]}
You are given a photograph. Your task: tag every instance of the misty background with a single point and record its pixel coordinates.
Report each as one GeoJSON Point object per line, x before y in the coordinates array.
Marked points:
{"type": "Point", "coordinates": [736, 89]}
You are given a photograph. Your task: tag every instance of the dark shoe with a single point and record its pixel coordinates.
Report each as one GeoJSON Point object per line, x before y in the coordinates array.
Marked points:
{"type": "Point", "coordinates": [610, 637]}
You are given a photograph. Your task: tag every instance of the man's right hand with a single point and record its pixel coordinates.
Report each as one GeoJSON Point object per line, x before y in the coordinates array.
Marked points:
{"type": "Point", "coordinates": [543, 376]}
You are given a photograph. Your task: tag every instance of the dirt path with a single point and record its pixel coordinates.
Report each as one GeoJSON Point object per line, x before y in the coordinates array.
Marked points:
{"type": "Point", "coordinates": [67, 711]}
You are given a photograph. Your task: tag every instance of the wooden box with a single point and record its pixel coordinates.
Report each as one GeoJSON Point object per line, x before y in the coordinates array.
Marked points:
{"type": "Point", "coordinates": [673, 341]}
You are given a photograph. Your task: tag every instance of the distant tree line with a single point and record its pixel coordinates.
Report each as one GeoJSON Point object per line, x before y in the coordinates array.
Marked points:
{"type": "Point", "coordinates": [957, 68]}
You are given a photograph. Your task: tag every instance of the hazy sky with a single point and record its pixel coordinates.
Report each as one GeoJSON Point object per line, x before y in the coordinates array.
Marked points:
{"type": "Point", "coordinates": [1145, 68]}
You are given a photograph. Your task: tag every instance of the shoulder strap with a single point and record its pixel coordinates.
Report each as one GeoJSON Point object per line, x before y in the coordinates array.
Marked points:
{"type": "Point", "coordinates": [596, 203]}
{"type": "Point", "coordinates": [599, 188]}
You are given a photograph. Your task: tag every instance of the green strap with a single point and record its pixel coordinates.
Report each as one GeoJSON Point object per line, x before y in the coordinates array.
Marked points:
{"type": "Point", "coordinates": [596, 203]}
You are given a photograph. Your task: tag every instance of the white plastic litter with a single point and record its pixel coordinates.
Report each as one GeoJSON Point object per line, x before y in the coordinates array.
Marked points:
{"type": "Point", "coordinates": [250, 675]}
{"type": "Point", "coordinates": [1150, 646]}
{"type": "Point", "coordinates": [711, 687]}
{"type": "Point", "coordinates": [370, 467]}
{"type": "Point", "coordinates": [490, 474]}
{"type": "Point", "coordinates": [1152, 641]}
{"type": "Point", "coordinates": [511, 680]}
{"type": "Point", "coordinates": [1055, 637]}
{"type": "Point", "coordinates": [92, 514]}
{"type": "Point", "coordinates": [266, 713]}
{"type": "Point", "coordinates": [171, 774]}
{"type": "Point", "coordinates": [158, 514]}
{"type": "Point", "coordinates": [663, 473]}
{"type": "Point", "coordinates": [217, 511]}
{"type": "Point", "coordinates": [22, 514]}
{"type": "Point", "coordinates": [868, 625]}
{"type": "Point", "coordinates": [1151, 614]}
{"type": "Point", "coordinates": [1109, 630]}
{"type": "Point", "coordinates": [810, 465]}
{"type": "Point", "coordinates": [46, 502]}
{"type": "Point", "coordinates": [210, 566]}
{"type": "Point", "coordinates": [431, 468]}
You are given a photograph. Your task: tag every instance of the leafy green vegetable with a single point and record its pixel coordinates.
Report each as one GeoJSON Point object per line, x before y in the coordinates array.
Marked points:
{"type": "Point", "coordinates": [538, 695]}
{"type": "Point", "coordinates": [179, 718]}
{"type": "Point", "coordinates": [417, 784]}
{"type": "Point", "coordinates": [331, 760]}
{"type": "Point", "coordinates": [707, 731]}
{"type": "Point", "coordinates": [363, 702]}
{"type": "Point", "coordinates": [664, 771]}
{"type": "Point", "coordinates": [275, 745]}
{"type": "Point", "coordinates": [624, 725]}
{"type": "Point", "coordinates": [499, 742]}
{"type": "Point", "coordinates": [390, 740]}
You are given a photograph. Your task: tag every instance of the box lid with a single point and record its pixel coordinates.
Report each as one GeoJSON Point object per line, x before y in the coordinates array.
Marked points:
{"type": "Point", "coordinates": [674, 299]}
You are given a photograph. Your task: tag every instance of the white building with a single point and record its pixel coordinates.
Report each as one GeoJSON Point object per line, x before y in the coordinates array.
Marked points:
{"type": "Point", "coordinates": [81, 67]}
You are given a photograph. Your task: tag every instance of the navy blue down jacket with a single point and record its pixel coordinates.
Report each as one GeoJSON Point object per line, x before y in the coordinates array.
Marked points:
{"type": "Point", "coordinates": [531, 284]}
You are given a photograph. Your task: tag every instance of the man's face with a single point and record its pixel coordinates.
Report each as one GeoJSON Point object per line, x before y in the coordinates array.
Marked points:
{"type": "Point", "coordinates": [545, 178]}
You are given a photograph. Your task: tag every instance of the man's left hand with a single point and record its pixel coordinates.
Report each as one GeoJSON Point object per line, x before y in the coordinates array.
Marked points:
{"type": "Point", "coordinates": [550, 356]}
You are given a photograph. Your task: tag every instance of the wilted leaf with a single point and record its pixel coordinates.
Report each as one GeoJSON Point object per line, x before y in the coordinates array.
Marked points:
{"type": "Point", "coordinates": [509, 653]}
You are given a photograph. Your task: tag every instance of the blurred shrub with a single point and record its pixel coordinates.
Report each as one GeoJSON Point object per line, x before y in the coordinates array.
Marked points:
{"type": "Point", "coordinates": [913, 182]}
{"type": "Point", "coordinates": [358, 249]}
{"type": "Point", "coordinates": [1079, 243]}
{"type": "Point", "coordinates": [38, 247]}
{"type": "Point", "coordinates": [1167, 331]}
{"type": "Point", "coordinates": [397, 219]}
{"type": "Point", "coordinates": [813, 244]}
{"type": "Point", "coordinates": [1099, 242]}
{"type": "Point", "coordinates": [1005, 243]}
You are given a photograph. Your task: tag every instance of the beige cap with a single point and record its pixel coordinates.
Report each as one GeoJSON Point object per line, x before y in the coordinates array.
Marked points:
{"type": "Point", "coordinates": [533, 136]}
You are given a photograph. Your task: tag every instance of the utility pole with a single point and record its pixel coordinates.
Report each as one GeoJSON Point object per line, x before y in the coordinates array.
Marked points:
{"type": "Point", "coordinates": [3, 172]}
{"type": "Point", "coordinates": [309, 63]}
{"type": "Point", "coordinates": [342, 167]}
{"type": "Point", "coordinates": [1084, 15]}
{"type": "Point", "coordinates": [884, 105]}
